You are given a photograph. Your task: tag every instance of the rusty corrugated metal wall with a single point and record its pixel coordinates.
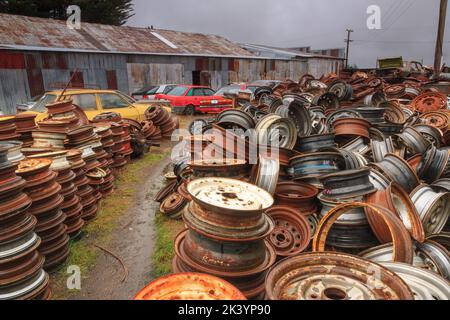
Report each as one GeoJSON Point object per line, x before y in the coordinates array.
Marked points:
{"type": "Point", "coordinates": [25, 74]}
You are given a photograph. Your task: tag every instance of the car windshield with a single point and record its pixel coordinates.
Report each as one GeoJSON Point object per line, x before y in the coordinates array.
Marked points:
{"type": "Point", "coordinates": [177, 91]}
{"type": "Point", "coordinates": [46, 99]}
{"type": "Point", "coordinates": [229, 90]}
{"type": "Point", "coordinates": [152, 91]}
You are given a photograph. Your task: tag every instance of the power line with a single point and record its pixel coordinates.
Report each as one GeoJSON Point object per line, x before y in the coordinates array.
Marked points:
{"type": "Point", "coordinates": [401, 14]}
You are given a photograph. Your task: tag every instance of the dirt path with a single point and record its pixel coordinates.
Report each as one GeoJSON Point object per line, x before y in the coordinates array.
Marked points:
{"type": "Point", "coordinates": [133, 243]}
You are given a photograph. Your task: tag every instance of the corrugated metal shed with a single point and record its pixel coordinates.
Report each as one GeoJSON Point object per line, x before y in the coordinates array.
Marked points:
{"type": "Point", "coordinates": [20, 32]}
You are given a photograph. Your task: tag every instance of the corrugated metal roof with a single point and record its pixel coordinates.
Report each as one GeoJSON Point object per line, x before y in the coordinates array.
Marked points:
{"type": "Point", "coordinates": [286, 52]}
{"type": "Point", "coordinates": [37, 33]}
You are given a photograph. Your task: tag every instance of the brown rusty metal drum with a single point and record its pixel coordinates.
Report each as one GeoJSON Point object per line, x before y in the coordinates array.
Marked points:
{"type": "Point", "coordinates": [333, 276]}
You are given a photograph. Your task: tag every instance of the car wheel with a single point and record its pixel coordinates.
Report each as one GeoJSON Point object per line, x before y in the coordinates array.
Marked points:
{"type": "Point", "coordinates": [189, 111]}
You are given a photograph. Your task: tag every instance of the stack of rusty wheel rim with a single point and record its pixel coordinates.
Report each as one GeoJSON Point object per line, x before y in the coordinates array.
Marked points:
{"type": "Point", "coordinates": [118, 148]}
{"type": "Point", "coordinates": [126, 138]}
{"type": "Point", "coordinates": [163, 121]}
{"type": "Point", "coordinates": [106, 139]}
{"type": "Point", "coordinates": [84, 191]}
{"type": "Point", "coordinates": [8, 129]}
{"type": "Point", "coordinates": [72, 206]}
{"type": "Point", "coordinates": [226, 233]}
{"type": "Point", "coordinates": [151, 132]}
{"type": "Point", "coordinates": [25, 124]}
{"type": "Point", "coordinates": [52, 132]}
{"type": "Point", "coordinates": [44, 190]}
{"type": "Point", "coordinates": [21, 265]}
{"type": "Point", "coordinates": [96, 179]}
{"type": "Point", "coordinates": [89, 200]}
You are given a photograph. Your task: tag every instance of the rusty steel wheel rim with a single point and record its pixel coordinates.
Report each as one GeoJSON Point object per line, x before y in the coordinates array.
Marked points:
{"type": "Point", "coordinates": [265, 174]}
{"type": "Point", "coordinates": [164, 192]}
{"type": "Point", "coordinates": [399, 171]}
{"type": "Point", "coordinates": [429, 101]}
{"type": "Point", "coordinates": [396, 200]}
{"type": "Point", "coordinates": [299, 195]}
{"type": "Point", "coordinates": [273, 130]}
{"type": "Point", "coordinates": [292, 232]}
{"type": "Point", "coordinates": [219, 168]}
{"type": "Point", "coordinates": [347, 184]}
{"type": "Point", "coordinates": [425, 285]}
{"type": "Point", "coordinates": [181, 254]}
{"type": "Point", "coordinates": [403, 247]}
{"type": "Point", "coordinates": [437, 119]}
{"type": "Point", "coordinates": [433, 164]}
{"type": "Point", "coordinates": [189, 286]}
{"type": "Point", "coordinates": [433, 208]}
{"type": "Point", "coordinates": [229, 196]}
{"type": "Point", "coordinates": [352, 127]}
{"type": "Point", "coordinates": [251, 286]}
{"type": "Point", "coordinates": [232, 228]}
{"type": "Point", "coordinates": [173, 205]}
{"type": "Point", "coordinates": [21, 269]}
{"type": "Point", "coordinates": [413, 140]}
{"type": "Point", "coordinates": [333, 276]}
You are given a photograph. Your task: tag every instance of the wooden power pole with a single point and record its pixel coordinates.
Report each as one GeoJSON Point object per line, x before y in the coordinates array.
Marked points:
{"type": "Point", "coordinates": [349, 31]}
{"type": "Point", "coordinates": [440, 38]}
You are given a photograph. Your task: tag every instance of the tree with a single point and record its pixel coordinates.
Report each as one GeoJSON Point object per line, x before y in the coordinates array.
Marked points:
{"type": "Point", "coordinates": [113, 12]}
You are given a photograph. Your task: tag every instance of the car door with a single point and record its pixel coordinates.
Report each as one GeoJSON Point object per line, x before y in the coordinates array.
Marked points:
{"type": "Point", "coordinates": [196, 95]}
{"type": "Point", "coordinates": [111, 102]}
{"type": "Point", "coordinates": [88, 103]}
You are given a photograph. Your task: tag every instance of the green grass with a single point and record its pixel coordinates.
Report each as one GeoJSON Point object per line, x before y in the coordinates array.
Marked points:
{"type": "Point", "coordinates": [166, 231]}
{"type": "Point", "coordinates": [100, 230]}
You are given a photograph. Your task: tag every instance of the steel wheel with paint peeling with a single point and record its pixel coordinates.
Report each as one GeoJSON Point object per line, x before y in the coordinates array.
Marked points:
{"type": "Point", "coordinates": [433, 208]}
{"type": "Point", "coordinates": [398, 170]}
{"type": "Point", "coordinates": [425, 285]}
{"type": "Point", "coordinates": [229, 196]}
{"type": "Point", "coordinates": [403, 246]}
{"type": "Point", "coordinates": [301, 117]}
{"type": "Point", "coordinates": [273, 130]}
{"type": "Point", "coordinates": [439, 255]}
{"type": "Point", "coordinates": [385, 253]}
{"type": "Point", "coordinates": [292, 232]}
{"type": "Point", "coordinates": [333, 276]}
{"type": "Point", "coordinates": [189, 286]}
{"type": "Point", "coordinates": [265, 174]}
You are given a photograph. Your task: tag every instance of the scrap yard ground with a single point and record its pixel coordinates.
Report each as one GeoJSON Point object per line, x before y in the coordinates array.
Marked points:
{"type": "Point", "coordinates": [131, 228]}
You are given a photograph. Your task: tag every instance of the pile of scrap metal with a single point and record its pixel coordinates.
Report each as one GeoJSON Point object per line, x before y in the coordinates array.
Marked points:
{"type": "Point", "coordinates": [53, 175]}
{"type": "Point", "coordinates": [354, 201]}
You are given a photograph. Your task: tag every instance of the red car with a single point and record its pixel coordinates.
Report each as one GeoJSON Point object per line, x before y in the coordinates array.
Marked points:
{"type": "Point", "coordinates": [189, 100]}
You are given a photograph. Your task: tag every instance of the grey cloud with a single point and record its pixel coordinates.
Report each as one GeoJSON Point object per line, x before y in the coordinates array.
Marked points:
{"type": "Point", "coordinates": [409, 26]}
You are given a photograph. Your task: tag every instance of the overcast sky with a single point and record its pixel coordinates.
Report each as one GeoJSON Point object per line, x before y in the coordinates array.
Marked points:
{"type": "Point", "coordinates": [408, 26]}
